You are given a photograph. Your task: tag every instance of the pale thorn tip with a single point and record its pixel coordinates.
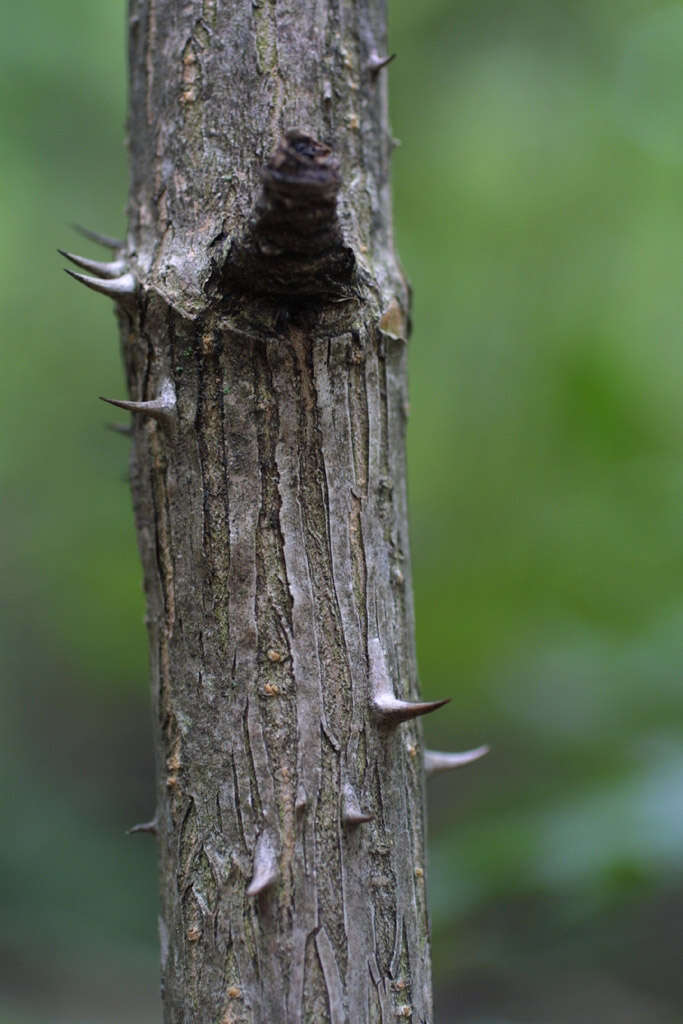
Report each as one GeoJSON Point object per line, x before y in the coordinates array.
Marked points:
{"type": "Point", "coordinates": [436, 761]}
{"type": "Point", "coordinates": [113, 268]}
{"type": "Point", "coordinates": [94, 236]}
{"type": "Point", "coordinates": [265, 865]}
{"type": "Point", "coordinates": [144, 826]}
{"type": "Point", "coordinates": [351, 811]}
{"type": "Point", "coordinates": [116, 287]}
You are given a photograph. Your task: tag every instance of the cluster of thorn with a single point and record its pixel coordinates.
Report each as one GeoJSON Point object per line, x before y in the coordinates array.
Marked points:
{"type": "Point", "coordinates": [112, 278]}
{"type": "Point", "coordinates": [115, 280]}
{"type": "Point", "coordinates": [389, 711]}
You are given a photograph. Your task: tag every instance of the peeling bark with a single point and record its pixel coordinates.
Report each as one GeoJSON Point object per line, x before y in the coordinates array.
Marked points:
{"type": "Point", "coordinates": [264, 344]}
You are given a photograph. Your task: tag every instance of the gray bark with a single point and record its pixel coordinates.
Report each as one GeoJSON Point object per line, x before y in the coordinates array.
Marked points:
{"type": "Point", "coordinates": [266, 328]}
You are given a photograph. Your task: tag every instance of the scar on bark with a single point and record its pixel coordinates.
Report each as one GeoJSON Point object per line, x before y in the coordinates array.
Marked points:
{"type": "Point", "coordinates": [294, 245]}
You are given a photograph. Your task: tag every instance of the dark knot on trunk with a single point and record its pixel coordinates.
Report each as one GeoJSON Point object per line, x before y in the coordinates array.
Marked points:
{"type": "Point", "coordinates": [294, 245]}
{"type": "Point", "coordinates": [302, 174]}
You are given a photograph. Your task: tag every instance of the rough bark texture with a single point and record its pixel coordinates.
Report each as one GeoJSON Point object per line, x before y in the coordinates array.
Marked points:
{"type": "Point", "coordinates": [268, 324]}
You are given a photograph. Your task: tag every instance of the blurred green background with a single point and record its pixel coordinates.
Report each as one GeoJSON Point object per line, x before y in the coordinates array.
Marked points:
{"type": "Point", "coordinates": [539, 209]}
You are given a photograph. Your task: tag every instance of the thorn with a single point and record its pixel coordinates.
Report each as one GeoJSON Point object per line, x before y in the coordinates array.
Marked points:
{"type": "Point", "coordinates": [114, 268]}
{"type": "Point", "coordinates": [376, 63]}
{"type": "Point", "coordinates": [393, 711]}
{"type": "Point", "coordinates": [120, 428]}
{"type": "Point", "coordinates": [94, 236]}
{"type": "Point", "coordinates": [265, 865]}
{"type": "Point", "coordinates": [350, 808]}
{"type": "Point", "coordinates": [115, 288]}
{"type": "Point", "coordinates": [388, 708]}
{"type": "Point", "coordinates": [436, 761]}
{"type": "Point", "coordinates": [145, 826]}
{"type": "Point", "coordinates": [162, 408]}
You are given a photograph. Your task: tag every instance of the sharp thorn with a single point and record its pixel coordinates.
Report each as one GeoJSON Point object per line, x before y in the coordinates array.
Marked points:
{"type": "Point", "coordinates": [387, 707]}
{"type": "Point", "coordinates": [351, 811]}
{"type": "Point", "coordinates": [376, 63]}
{"type": "Point", "coordinates": [116, 288]}
{"type": "Point", "coordinates": [265, 865]}
{"type": "Point", "coordinates": [94, 236]}
{"type": "Point", "coordinates": [145, 826]}
{"type": "Point", "coordinates": [157, 409]}
{"type": "Point", "coordinates": [115, 268]}
{"type": "Point", "coordinates": [393, 711]}
{"type": "Point", "coordinates": [120, 428]}
{"type": "Point", "coordinates": [162, 408]}
{"type": "Point", "coordinates": [436, 761]}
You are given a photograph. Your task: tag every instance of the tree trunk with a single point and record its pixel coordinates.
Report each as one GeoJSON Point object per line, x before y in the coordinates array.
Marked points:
{"type": "Point", "coordinates": [263, 319]}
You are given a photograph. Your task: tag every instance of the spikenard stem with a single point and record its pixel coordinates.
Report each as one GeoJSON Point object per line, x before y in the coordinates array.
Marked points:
{"type": "Point", "coordinates": [263, 320]}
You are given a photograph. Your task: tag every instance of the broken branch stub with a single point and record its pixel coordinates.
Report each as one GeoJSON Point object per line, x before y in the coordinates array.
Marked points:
{"type": "Point", "coordinates": [294, 246]}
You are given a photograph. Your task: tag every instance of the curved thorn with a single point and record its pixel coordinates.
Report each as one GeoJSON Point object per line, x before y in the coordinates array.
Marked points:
{"type": "Point", "coordinates": [351, 811]}
{"type": "Point", "coordinates": [265, 865]}
{"type": "Point", "coordinates": [115, 288]}
{"type": "Point", "coordinates": [387, 707]}
{"type": "Point", "coordinates": [120, 428]}
{"type": "Point", "coordinates": [145, 826]}
{"type": "Point", "coordinates": [393, 711]}
{"type": "Point", "coordinates": [114, 268]}
{"type": "Point", "coordinates": [153, 408]}
{"type": "Point", "coordinates": [162, 408]}
{"type": "Point", "coordinates": [376, 63]}
{"type": "Point", "coordinates": [94, 236]}
{"type": "Point", "coordinates": [436, 761]}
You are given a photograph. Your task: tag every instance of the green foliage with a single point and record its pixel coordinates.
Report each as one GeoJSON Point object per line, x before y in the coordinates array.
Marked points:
{"type": "Point", "coordinates": [537, 198]}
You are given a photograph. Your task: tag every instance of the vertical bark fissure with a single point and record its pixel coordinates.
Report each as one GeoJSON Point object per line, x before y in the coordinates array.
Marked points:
{"type": "Point", "coordinates": [271, 513]}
